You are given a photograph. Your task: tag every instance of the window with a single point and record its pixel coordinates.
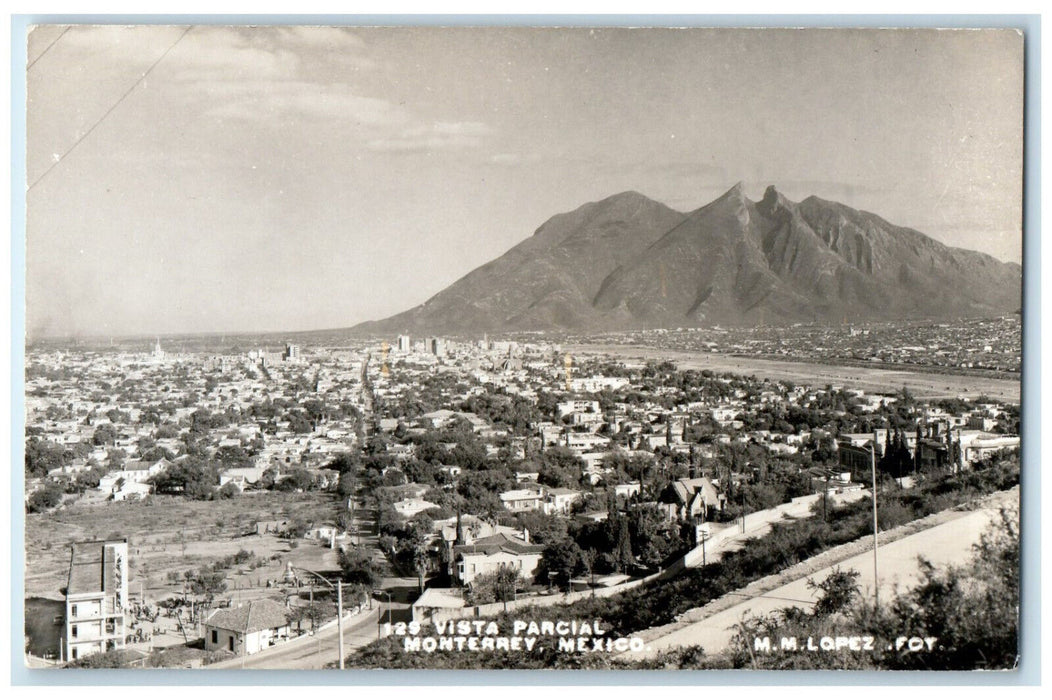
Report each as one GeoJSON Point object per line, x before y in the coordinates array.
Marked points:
{"type": "Point", "coordinates": [215, 637]}
{"type": "Point", "coordinates": [73, 611]}
{"type": "Point", "coordinates": [73, 631]}
{"type": "Point", "coordinates": [231, 642]}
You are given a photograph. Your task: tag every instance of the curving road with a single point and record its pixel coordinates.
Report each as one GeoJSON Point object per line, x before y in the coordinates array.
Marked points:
{"type": "Point", "coordinates": [948, 543]}
{"type": "Point", "coordinates": [312, 651]}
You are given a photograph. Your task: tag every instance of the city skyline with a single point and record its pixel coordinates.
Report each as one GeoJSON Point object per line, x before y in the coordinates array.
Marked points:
{"type": "Point", "coordinates": [292, 178]}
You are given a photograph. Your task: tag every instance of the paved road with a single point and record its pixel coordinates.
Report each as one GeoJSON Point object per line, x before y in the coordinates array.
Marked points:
{"type": "Point", "coordinates": [757, 524]}
{"type": "Point", "coordinates": [948, 543]}
{"type": "Point", "coordinates": [312, 652]}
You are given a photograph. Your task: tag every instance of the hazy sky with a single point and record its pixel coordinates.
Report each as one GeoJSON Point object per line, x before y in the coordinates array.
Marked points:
{"type": "Point", "coordinates": [299, 178]}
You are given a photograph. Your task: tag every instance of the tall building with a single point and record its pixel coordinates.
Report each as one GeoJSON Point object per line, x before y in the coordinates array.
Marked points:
{"type": "Point", "coordinates": [96, 597]}
{"type": "Point", "coordinates": [292, 352]}
{"type": "Point", "coordinates": [403, 343]}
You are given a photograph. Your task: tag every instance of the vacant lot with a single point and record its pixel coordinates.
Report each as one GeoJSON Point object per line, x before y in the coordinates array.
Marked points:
{"type": "Point", "coordinates": [922, 384]}
{"type": "Point", "coordinates": [169, 534]}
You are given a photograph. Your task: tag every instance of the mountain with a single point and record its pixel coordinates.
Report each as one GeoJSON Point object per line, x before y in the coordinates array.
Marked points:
{"type": "Point", "coordinates": [630, 262]}
{"type": "Point", "coordinates": [550, 279]}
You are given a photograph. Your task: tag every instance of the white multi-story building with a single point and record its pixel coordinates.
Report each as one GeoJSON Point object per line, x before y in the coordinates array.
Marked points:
{"type": "Point", "coordinates": [96, 598]}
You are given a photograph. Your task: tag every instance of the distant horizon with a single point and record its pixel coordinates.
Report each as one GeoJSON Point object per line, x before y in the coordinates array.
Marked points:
{"type": "Point", "coordinates": [128, 337]}
{"type": "Point", "coordinates": [218, 179]}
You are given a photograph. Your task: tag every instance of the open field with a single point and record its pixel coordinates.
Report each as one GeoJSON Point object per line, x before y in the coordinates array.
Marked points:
{"type": "Point", "coordinates": [170, 534]}
{"type": "Point", "coordinates": [922, 384]}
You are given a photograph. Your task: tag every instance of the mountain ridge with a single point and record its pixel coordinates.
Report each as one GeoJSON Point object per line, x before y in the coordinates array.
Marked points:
{"type": "Point", "coordinates": [628, 262]}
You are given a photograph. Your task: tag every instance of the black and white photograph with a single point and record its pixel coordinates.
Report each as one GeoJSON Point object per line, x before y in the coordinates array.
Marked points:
{"type": "Point", "coordinates": [522, 347]}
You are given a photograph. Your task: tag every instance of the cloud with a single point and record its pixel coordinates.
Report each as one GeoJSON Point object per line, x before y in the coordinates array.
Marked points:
{"type": "Point", "coordinates": [433, 137]}
{"type": "Point", "coordinates": [267, 101]}
{"type": "Point", "coordinates": [513, 159]}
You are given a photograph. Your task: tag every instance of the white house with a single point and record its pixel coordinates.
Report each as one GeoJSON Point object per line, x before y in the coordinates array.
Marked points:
{"type": "Point", "coordinates": [248, 628]}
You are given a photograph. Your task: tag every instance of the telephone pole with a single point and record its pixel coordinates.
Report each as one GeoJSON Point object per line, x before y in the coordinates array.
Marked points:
{"type": "Point", "coordinates": [873, 466]}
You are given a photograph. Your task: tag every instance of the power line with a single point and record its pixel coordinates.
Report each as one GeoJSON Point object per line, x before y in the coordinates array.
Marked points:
{"type": "Point", "coordinates": [41, 55]}
{"type": "Point", "coordinates": [110, 110]}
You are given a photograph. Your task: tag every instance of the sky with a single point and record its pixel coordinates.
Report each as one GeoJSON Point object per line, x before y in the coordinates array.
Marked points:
{"type": "Point", "coordinates": [225, 179]}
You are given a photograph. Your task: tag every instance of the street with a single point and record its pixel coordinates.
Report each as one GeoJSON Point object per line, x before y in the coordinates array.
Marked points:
{"type": "Point", "coordinates": [312, 651]}
{"type": "Point", "coordinates": [948, 543]}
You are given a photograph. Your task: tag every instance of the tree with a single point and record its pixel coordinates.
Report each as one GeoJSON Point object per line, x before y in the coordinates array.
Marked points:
{"type": "Point", "coordinates": [45, 498]}
{"type": "Point", "coordinates": [561, 559]}
{"type": "Point", "coordinates": [209, 584]}
{"type": "Point", "coordinates": [228, 490]}
{"type": "Point", "coordinates": [417, 553]}
{"type": "Point", "coordinates": [836, 592]}
{"type": "Point", "coordinates": [42, 456]}
{"type": "Point", "coordinates": [499, 586]}
{"type": "Point", "coordinates": [356, 567]}
{"type": "Point", "coordinates": [296, 480]}
{"type": "Point", "coordinates": [105, 434]}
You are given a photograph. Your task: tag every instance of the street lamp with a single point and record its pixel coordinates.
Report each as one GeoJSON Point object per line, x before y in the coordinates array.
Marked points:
{"type": "Point", "coordinates": [380, 617]}
{"type": "Point", "coordinates": [338, 587]}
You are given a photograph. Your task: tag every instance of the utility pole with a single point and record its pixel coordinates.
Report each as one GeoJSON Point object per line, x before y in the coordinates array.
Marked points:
{"type": "Point", "coordinates": [873, 466]}
{"type": "Point", "coordinates": [339, 618]}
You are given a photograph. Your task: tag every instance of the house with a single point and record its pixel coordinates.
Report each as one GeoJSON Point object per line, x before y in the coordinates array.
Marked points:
{"type": "Point", "coordinates": [248, 628]}
{"type": "Point", "coordinates": [132, 472]}
{"type": "Point", "coordinates": [96, 597]}
{"type": "Point", "coordinates": [242, 477]}
{"type": "Point", "coordinates": [559, 500]}
{"type": "Point", "coordinates": [447, 601]}
{"type": "Point", "coordinates": [130, 490]}
{"type": "Point", "coordinates": [519, 500]}
{"type": "Point", "coordinates": [409, 507]}
{"type": "Point", "coordinates": [489, 554]}
{"type": "Point", "coordinates": [684, 499]}
{"type": "Point", "coordinates": [626, 490]}
{"type": "Point", "coordinates": [979, 445]}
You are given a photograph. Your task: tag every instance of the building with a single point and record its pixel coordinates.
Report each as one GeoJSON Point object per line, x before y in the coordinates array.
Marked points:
{"type": "Point", "coordinates": [408, 507]}
{"type": "Point", "coordinates": [487, 555]}
{"type": "Point", "coordinates": [292, 353]}
{"type": "Point", "coordinates": [132, 472]}
{"type": "Point", "coordinates": [854, 453]}
{"type": "Point", "coordinates": [978, 445]}
{"type": "Point", "coordinates": [248, 628]}
{"type": "Point", "coordinates": [447, 602]}
{"type": "Point", "coordinates": [519, 500]}
{"type": "Point", "coordinates": [559, 500]}
{"type": "Point", "coordinates": [404, 343]}
{"type": "Point", "coordinates": [685, 499]}
{"type": "Point", "coordinates": [96, 597]}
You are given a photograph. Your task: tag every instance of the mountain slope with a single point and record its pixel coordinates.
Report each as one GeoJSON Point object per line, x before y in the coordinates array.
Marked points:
{"type": "Point", "coordinates": [630, 262]}
{"type": "Point", "coordinates": [548, 280]}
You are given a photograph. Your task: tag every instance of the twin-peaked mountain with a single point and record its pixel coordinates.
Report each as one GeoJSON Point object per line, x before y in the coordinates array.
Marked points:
{"type": "Point", "coordinates": [630, 262]}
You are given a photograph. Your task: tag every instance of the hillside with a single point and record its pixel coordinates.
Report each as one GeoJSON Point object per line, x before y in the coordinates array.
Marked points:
{"type": "Point", "coordinates": [630, 262]}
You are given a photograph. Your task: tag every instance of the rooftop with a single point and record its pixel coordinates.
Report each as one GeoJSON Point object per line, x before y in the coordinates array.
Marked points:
{"type": "Point", "coordinates": [91, 567]}
{"type": "Point", "coordinates": [253, 616]}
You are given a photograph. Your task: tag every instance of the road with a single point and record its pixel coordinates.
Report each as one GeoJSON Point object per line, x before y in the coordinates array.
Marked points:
{"type": "Point", "coordinates": [312, 651]}
{"type": "Point", "coordinates": [757, 524]}
{"type": "Point", "coordinates": [948, 543]}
